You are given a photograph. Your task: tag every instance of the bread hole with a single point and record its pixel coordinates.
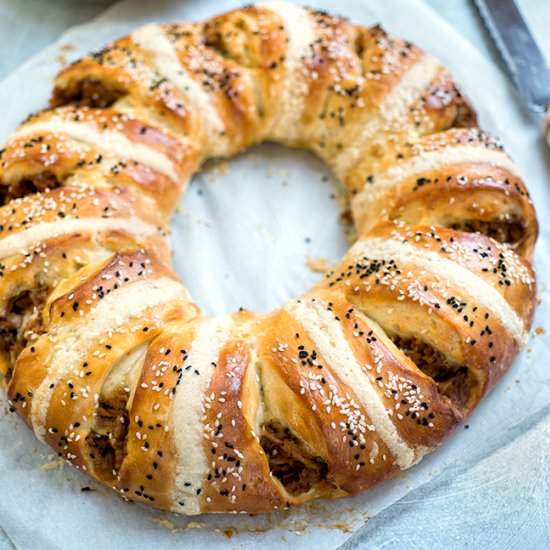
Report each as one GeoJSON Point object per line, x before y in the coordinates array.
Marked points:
{"type": "Point", "coordinates": [465, 115]}
{"type": "Point", "coordinates": [296, 467]}
{"type": "Point", "coordinates": [28, 185]}
{"type": "Point", "coordinates": [21, 323]}
{"type": "Point", "coordinates": [453, 380]}
{"type": "Point", "coordinates": [107, 441]}
{"type": "Point", "coordinates": [89, 92]}
{"type": "Point", "coordinates": [214, 39]}
{"type": "Point", "coordinates": [359, 45]}
{"type": "Point", "coordinates": [510, 229]}
{"type": "Point", "coordinates": [8, 335]}
{"type": "Point", "coordinates": [231, 39]}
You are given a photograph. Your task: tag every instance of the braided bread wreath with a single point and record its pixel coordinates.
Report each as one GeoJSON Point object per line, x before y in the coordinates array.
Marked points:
{"type": "Point", "coordinates": [108, 360]}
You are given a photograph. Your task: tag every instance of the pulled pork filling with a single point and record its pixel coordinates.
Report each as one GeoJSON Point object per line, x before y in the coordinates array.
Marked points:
{"type": "Point", "coordinates": [23, 319]}
{"type": "Point", "coordinates": [294, 466]}
{"type": "Point", "coordinates": [509, 231]}
{"type": "Point", "coordinates": [107, 440]}
{"type": "Point", "coordinates": [88, 92]}
{"type": "Point", "coordinates": [453, 380]}
{"type": "Point", "coordinates": [27, 186]}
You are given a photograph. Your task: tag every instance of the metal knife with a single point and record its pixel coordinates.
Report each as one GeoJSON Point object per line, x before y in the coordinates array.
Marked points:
{"type": "Point", "coordinates": [520, 52]}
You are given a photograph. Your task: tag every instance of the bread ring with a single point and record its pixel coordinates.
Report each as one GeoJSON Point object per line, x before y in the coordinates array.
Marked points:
{"type": "Point", "coordinates": [108, 360]}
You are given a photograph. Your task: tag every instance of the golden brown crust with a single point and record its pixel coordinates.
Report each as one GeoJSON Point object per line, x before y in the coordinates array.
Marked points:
{"type": "Point", "coordinates": [230, 442]}
{"type": "Point", "coordinates": [226, 82]}
{"type": "Point", "coordinates": [424, 415]}
{"type": "Point", "coordinates": [356, 456]}
{"type": "Point", "coordinates": [148, 471]}
{"type": "Point", "coordinates": [421, 186]}
{"type": "Point", "coordinates": [78, 298]}
{"type": "Point", "coordinates": [107, 359]}
{"type": "Point", "coordinates": [465, 194]}
{"type": "Point", "coordinates": [121, 69]}
{"type": "Point", "coordinates": [45, 160]}
{"type": "Point", "coordinates": [407, 299]}
{"type": "Point", "coordinates": [491, 261]}
{"type": "Point", "coordinates": [254, 39]}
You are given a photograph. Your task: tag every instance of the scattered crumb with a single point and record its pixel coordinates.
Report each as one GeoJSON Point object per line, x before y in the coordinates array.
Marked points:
{"type": "Point", "coordinates": [167, 524]}
{"type": "Point", "coordinates": [215, 169]}
{"type": "Point", "coordinates": [517, 380]}
{"type": "Point", "coordinates": [318, 265]}
{"type": "Point", "coordinates": [346, 217]}
{"type": "Point", "coordinates": [54, 463]}
{"type": "Point", "coordinates": [228, 533]}
{"type": "Point", "coordinates": [194, 525]}
{"type": "Point", "coordinates": [61, 59]}
{"type": "Point", "coordinates": [539, 331]}
{"type": "Point", "coordinates": [344, 527]}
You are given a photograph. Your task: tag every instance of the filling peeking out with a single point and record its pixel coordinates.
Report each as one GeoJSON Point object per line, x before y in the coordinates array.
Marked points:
{"type": "Point", "coordinates": [504, 230]}
{"type": "Point", "coordinates": [453, 380]}
{"type": "Point", "coordinates": [89, 92]}
{"type": "Point", "coordinates": [21, 323]}
{"type": "Point", "coordinates": [107, 441]}
{"type": "Point", "coordinates": [37, 183]}
{"type": "Point", "coordinates": [290, 461]}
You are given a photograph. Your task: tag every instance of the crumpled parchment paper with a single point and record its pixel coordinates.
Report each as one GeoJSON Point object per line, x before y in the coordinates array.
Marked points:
{"type": "Point", "coordinates": [242, 235]}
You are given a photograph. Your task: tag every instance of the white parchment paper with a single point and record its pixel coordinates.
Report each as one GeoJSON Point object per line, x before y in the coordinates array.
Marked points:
{"type": "Point", "coordinates": [241, 236]}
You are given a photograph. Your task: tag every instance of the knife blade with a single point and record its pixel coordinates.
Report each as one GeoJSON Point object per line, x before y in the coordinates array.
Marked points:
{"type": "Point", "coordinates": [522, 56]}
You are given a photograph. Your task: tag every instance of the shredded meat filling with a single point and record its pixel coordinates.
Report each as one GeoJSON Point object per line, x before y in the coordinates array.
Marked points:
{"type": "Point", "coordinates": [454, 380]}
{"type": "Point", "coordinates": [295, 467]}
{"type": "Point", "coordinates": [22, 320]}
{"type": "Point", "coordinates": [27, 186]}
{"type": "Point", "coordinates": [89, 92]}
{"type": "Point", "coordinates": [509, 231]}
{"type": "Point", "coordinates": [107, 441]}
